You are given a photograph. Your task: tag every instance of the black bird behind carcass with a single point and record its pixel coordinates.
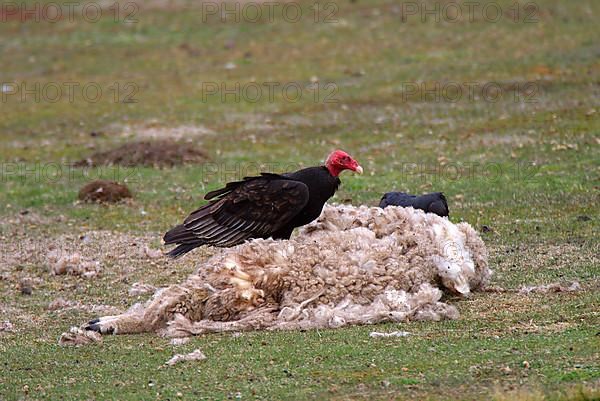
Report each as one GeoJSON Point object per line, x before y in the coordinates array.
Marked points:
{"type": "Point", "coordinates": [269, 205]}
{"type": "Point", "coordinates": [430, 203]}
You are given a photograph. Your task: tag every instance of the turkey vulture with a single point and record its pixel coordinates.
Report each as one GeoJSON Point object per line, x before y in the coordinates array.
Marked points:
{"type": "Point", "coordinates": [269, 205]}
{"type": "Point", "coordinates": [430, 203]}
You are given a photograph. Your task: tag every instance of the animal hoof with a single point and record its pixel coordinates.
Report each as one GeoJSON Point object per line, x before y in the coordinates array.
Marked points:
{"type": "Point", "coordinates": [100, 329]}
{"type": "Point", "coordinates": [93, 327]}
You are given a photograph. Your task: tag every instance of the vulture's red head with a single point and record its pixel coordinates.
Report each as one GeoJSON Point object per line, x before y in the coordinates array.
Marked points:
{"type": "Point", "coordinates": [339, 161]}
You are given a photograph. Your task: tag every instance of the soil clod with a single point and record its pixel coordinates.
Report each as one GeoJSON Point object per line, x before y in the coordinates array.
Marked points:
{"type": "Point", "coordinates": [103, 191]}
{"type": "Point", "coordinates": [158, 153]}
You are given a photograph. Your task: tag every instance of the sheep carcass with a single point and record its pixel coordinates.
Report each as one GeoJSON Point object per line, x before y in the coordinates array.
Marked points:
{"type": "Point", "coordinates": [354, 265]}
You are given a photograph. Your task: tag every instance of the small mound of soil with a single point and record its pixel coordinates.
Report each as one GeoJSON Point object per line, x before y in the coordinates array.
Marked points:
{"type": "Point", "coordinates": [103, 191]}
{"type": "Point", "coordinates": [160, 153]}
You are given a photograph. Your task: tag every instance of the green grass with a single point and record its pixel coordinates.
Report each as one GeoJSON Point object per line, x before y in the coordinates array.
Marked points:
{"type": "Point", "coordinates": [529, 171]}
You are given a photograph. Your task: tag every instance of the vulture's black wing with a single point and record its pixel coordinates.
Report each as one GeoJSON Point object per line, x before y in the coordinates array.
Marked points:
{"type": "Point", "coordinates": [253, 208]}
{"type": "Point", "coordinates": [396, 199]}
{"type": "Point", "coordinates": [430, 203]}
{"type": "Point", "coordinates": [230, 186]}
{"type": "Point", "coordinates": [439, 206]}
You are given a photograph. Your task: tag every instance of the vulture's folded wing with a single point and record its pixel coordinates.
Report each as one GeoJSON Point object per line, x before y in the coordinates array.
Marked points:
{"type": "Point", "coordinates": [254, 207]}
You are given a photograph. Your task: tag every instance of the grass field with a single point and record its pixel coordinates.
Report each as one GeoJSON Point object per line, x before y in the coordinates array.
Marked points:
{"type": "Point", "coordinates": [377, 79]}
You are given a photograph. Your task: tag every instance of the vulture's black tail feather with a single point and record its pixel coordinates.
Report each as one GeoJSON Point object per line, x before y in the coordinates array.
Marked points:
{"type": "Point", "coordinates": [182, 250]}
{"type": "Point", "coordinates": [184, 238]}
{"type": "Point", "coordinates": [178, 234]}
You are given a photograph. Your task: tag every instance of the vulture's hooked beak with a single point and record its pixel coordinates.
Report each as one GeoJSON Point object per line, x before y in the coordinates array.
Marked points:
{"type": "Point", "coordinates": [358, 169]}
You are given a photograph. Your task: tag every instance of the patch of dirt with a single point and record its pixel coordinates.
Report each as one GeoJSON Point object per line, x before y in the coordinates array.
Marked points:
{"type": "Point", "coordinates": [61, 305]}
{"type": "Point", "coordinates": [104, 191]}
{"type": "Point", "coordinates": [105, 247]}
{"type": "Point", "coordinates": [154, 131]}
{"type": "Point", "coordinates": [158, 153]}
{"type": "Point", "coordinates": [26, 218]}
{"type": "Point", "coordinates": [123, 258]}
{"type": "Point", "coordinates": [72, 264]}
{"type": "Point", "coordinates": [251, 122]}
